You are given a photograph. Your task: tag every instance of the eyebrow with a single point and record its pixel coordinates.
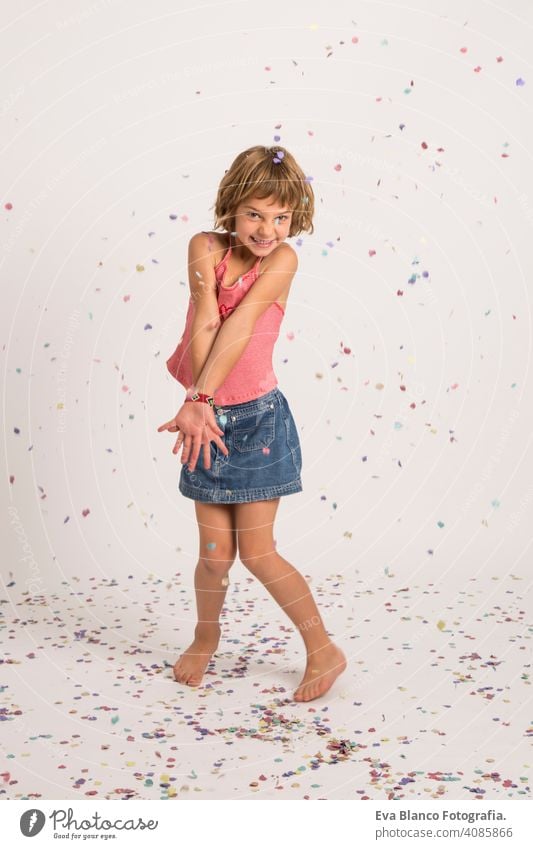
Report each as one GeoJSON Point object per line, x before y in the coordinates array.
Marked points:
{"type": "Point", "coordinates": [283, 212]}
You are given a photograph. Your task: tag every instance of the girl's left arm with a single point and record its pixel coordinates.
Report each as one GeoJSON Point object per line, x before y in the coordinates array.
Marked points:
{"type": "Point", "coordinates": [235, 333]}
{"type": "Point", "coordinates": [196, 422]}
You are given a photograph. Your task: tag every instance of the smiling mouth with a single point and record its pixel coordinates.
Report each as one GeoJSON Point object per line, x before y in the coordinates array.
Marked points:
{"type": "Point", "coordinates": [261, 242]}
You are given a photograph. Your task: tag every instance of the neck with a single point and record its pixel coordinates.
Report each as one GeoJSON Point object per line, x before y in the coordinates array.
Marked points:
{"type": "Point", "coordinates": [241, 251]}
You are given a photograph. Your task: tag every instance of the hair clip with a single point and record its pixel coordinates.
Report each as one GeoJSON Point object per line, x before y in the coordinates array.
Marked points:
{"type": "Point", "coordinates": [280, 154]}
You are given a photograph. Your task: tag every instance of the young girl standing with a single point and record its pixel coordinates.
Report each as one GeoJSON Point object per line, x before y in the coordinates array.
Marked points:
{"type": "Point", "coordinates": [239, 284]}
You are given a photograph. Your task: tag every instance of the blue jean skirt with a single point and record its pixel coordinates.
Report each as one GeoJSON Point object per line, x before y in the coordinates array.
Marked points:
{"type": "Point", "coordinates": [264, 456]}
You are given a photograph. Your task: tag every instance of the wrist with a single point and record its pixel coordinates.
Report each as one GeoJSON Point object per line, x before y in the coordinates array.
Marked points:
{"type": "Point", "coordinates": [199, 397]}
{"type": "Point", "coordinates": [202, 385]}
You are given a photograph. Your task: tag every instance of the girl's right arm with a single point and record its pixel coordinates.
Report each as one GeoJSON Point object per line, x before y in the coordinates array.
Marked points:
{"type": "Point", "coordinates": [203, 286]}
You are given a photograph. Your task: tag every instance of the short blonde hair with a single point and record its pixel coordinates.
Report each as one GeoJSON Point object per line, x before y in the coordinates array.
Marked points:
{"type": "Point", "coordinates": [260, 172]}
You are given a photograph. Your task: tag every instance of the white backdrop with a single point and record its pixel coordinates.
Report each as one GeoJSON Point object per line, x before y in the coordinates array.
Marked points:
{"type": "Point", "coordinates": [414, 121]}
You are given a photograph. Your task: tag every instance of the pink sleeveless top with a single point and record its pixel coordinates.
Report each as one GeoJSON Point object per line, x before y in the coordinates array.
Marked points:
{"type": "Point", "coordinates": [252, 375]}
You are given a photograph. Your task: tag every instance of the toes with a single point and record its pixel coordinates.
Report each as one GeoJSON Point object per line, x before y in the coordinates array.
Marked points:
{"type": "Point", "coordinates": [302, 694]}
{"type": "Point", "coordinates": [180, 676]}
{"type": "Point", "coordinates": [183, 676]}
{"type": "Point", "coordinates": [311, 690]}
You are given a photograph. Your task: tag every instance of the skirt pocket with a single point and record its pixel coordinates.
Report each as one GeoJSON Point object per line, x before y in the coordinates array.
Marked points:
{"type": "Point", "coordinates": [256, 431]}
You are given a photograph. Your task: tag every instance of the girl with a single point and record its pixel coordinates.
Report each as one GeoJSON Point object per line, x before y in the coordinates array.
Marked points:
{"type": "Point", "coordinates": [239, 283]}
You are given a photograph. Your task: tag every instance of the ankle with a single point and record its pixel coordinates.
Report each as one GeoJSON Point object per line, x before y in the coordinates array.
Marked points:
{"type": "Point", "coordinates": [322, 646]}
{"type": "Point", "coordinates": [207, 630]}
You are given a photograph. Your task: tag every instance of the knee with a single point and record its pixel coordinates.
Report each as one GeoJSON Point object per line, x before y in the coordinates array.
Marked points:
{"type": "Point", "coordinates": [218, 560]}
{"type": "Point", "coordinates": [254, 559]}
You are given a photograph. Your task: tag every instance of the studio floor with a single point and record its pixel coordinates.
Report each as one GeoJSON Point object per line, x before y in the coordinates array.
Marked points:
{"type": "Point", "coordinates": [431, 705]}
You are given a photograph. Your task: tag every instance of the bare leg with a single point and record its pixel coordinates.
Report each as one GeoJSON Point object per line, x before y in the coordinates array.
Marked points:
{"type": "Point", "coordinates": [218, 549]}
{"type": "Point", "coordinates": [325, 660]}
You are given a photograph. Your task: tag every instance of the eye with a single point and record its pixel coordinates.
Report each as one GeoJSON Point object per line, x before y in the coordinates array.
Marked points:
{"type": "Point", "coordinates": [278, 217]}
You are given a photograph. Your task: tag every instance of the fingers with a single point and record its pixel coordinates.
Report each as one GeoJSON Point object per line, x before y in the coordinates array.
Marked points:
{"type": "Point", "coordinates": [211, 422]}
{"type": "Point", "coordinates": [194, 456]}
{"type": "Point", "coordinates": [171, 426]}
{"type": "Point", "coordinates": [191, 449]}
{"type": "Point", "coordinates": [221, 445]}
{"type": "Point", "coordinates": [179, 441]}
{"type": "Point", "coordinates": [186, 447]}
{"type": "Point", "coordinates": [207, 455]}
{"type": "Point", "coordinates": [201, 442]}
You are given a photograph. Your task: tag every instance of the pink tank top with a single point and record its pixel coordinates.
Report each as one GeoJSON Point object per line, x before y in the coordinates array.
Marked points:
{"type": "Point", "coordinates": [252, 375]}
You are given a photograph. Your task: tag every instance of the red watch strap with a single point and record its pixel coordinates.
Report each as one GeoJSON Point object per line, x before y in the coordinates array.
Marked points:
{"type": "Point", "coordinates": [202, 396]}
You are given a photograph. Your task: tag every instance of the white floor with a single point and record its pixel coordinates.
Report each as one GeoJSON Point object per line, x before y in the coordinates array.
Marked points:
{"type": "Point", "coordinates": [428, 707]}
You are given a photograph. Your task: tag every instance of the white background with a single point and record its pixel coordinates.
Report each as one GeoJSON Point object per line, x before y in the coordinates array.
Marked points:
{"type": "Point", "coordinates": [118, 121]}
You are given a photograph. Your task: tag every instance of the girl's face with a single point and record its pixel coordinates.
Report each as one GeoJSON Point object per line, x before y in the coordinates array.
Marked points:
{"type": "Point", "coordinates": [261, 224]}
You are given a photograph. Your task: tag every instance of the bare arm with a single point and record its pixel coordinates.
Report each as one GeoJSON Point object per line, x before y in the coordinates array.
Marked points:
{"type": "Point", "coordinates": [202, 283]}
{"type": "Point", "coordinates": [234, 335]}
{"type": "Point", "coordinates": [196, 422]}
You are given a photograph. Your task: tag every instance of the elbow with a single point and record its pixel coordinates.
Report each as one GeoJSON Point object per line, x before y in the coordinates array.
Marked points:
{"type": "Point", "coordinates": [206, 323]}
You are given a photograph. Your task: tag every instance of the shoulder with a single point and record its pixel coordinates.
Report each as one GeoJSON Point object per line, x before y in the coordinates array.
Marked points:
{"type": "Point", "coordinates": [283, 257]}
{"type": "Point", "coordinates": [210, 244]}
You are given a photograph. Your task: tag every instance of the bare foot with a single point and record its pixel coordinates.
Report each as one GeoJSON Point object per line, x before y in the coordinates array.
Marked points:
{"type": "Point", "coordinates": [323, 667]}
{"type": "Point", "coordinates": [190, 668]}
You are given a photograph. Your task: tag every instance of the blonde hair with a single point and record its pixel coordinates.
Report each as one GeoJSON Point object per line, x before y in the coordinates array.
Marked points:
{"type": "Point", "coordinates": [261, 172]}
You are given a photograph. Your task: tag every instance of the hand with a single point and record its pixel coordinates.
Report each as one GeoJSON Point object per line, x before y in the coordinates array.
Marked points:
{"type": "Point", "coordinates": [197, 425]}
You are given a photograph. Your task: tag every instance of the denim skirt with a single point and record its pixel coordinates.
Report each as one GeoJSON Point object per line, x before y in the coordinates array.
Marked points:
{"type": "Point", "coordinates": [264, 456]}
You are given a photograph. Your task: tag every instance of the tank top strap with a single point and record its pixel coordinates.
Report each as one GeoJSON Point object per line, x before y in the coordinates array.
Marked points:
{"type": "Point", "coordinates": [228, 253]}
{"type": "Point", "coordinates": [222, 264]}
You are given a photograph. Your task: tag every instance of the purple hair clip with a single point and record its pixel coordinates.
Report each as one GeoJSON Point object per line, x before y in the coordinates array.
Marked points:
{"type": "Point", "coordinates": [278, 157]}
